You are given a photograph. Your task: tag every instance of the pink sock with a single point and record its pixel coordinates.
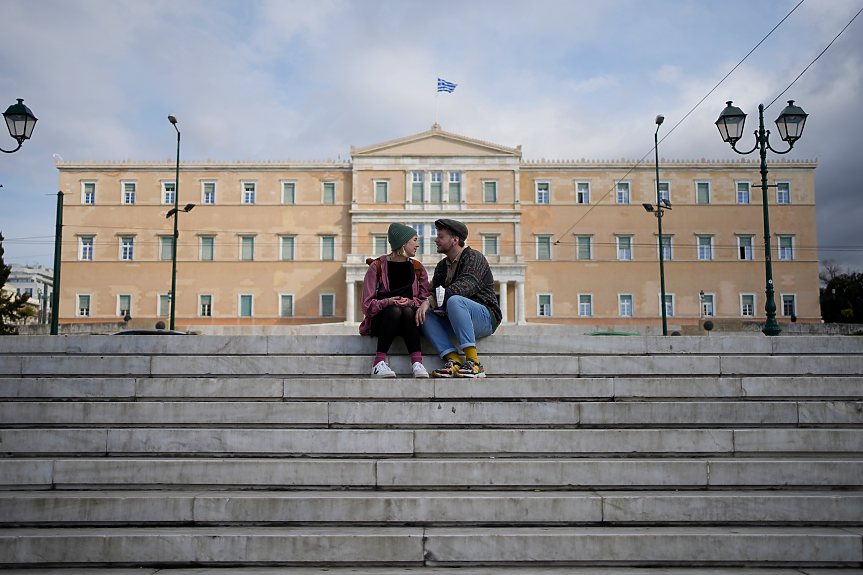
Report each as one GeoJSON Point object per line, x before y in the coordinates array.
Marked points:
{"type": "Point", "coordinates": [416, 356]}
{"type": "Point", "coordinates": [379, 357]}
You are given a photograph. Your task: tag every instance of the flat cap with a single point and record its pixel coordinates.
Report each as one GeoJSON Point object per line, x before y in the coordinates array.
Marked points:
{"type": "Point", "coordinates": [456, 227]}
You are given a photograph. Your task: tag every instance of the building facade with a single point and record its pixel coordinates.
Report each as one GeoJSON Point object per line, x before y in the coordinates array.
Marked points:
{"type": "Point", "coordinates": [282, 242]}
{"type": "Point", "coordinates": [35, 281]}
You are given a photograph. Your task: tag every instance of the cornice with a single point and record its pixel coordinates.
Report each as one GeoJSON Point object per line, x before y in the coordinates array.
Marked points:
{"type": "Point", "coordinates": [702, 164]}
{"type": "Point", "coordinates": [205, 165]}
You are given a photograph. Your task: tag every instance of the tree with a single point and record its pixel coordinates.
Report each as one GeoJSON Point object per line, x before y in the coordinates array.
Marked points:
{"type": "Point", "coordinates": [830, 268]}
{"type": "Point", "coordinates": [13, 307]}
{"type": "Point", "coordinates": [842, 299]}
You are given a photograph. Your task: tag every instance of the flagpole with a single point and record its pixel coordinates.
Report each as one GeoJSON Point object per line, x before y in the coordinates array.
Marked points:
{"type": "Point", "coordinates": [436, 92]}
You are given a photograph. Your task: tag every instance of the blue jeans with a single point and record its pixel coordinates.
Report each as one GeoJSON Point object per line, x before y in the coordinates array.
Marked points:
{"type": "Point", "coordinates": [465, 319]}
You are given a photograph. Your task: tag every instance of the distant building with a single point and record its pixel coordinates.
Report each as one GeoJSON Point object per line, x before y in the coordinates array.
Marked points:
{"type": "Point", "coordinates": [37, 282]}
{"type": "Point", "coordinates": [279, 242]}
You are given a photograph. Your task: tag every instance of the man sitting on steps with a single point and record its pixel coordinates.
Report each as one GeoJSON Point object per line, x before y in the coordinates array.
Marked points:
{"type": "Point", "coordinates": [469, 309]}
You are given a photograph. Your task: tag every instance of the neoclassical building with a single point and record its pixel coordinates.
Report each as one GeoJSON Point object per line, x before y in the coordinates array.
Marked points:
{"type": "Point", "coordinates": [282, 242]}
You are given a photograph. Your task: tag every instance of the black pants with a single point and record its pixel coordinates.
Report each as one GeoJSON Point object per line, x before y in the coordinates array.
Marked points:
{"type": "Point", "coordinates": [395, 320]}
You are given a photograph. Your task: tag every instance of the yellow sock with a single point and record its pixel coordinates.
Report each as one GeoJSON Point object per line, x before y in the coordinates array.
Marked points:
{"type": "Point", "coordinates": [453, 356]}
{"type": "Point", "coordinates": [470, 353]}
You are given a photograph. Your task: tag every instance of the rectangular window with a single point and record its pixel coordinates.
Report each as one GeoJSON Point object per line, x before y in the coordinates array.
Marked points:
{"type": "Point", "coordinates": [209, 193]}
{"type": "Point", "coordinates": [742, 192]}
{"type": "Point", "coordinates": [707, 305]}
{"type": "Point", "coordinates": [208, 248]}
{"type": "Point", "coordinates": [166, 249]}
{"type": "Point", "coordinates": [206, 305]}
{"type": "Point", "coordinates": [436, 188]}
{"type": "Point", "coordinates": [129, 193]}
{"type": "Point", "coordinates": [329, 192]}
{"type": "Point", "coordinates": [249, 192]}
{"type": "Point", "coordinates": [543, 305]}
{"type": "Point", "coordinates": [624, 304]}
{"type": "Point", "coordinates": [84, 306]}
{"type": "Point", "coordinates": [489, 192]}
{"type": "Point", "coordinates": [705, 247]}
{"type": "Point", "coordinates": [164, 305]}
{"type": "Point", "coordinates": [454, 187]}
{"type": "Point", "coordinates": [85, 252]}
{"type": "Point", "coordinates": [785, 248]}
{"type": "Point", "coordinates": [289, 193]}
{"type": "Point", "coordinates": [747, 305]}
{"type": "Point", "coordinates": [542, 192]}
{"type": "Point", "coordinates": [584, 251]}
{"type": "Point", "coordinates": [127, 249]}
{"type": "Point", "coordinates": [702, 192]}
{"type": "Point", "coordinates": [286, 305]}
{"type": "Point", "coordinates": [169, 191]}
{"type": "Point", "coordinates": [489, 245]}
{"type": "Point", "coordinates": [328, 248]}
{"type": "Point", "coordinates": [669, 306]}
{"type": "Point", "coordinates": [585, 304]}
{"type": "Point", "coordinates": [380, 192]}
{"type": "Point", "coordinates": [246, 303]}
{"type": "Point", "coordinates": [622, 192]}
{"type": "Point", "coordinates": [582, 192]}
{"type": "Point", "coordinates": [783, 193]}
{"type": "Point", "coordinates": [543, 247]}
{"type": "Point", "coordinates": [417, 187]}
{"type": "Point", "coordinates": [744, 247]}
{"type": "Point", "coordinates": [124, 305]}
{"type": "Point", "coordinates": [328, 305]}
{"type": "Point", "coordinates": [247, 249]}
{"type": "Point", "coordinates": [624, 248]}
{"type": "Point", "coordinates": [667, 252]}
{"type": "Point", "coordinates": [664, 193]}
{"type": "Point", "coordinates": [421, 240]}
{"type": "Point", "coordinates": [287, 248]}
{"type": "Point", "coordinates": [89, 198]}
{"type": "Point", "coordinates": [381, 246]}
{"type": "Point", "coordinates": [788, 307]}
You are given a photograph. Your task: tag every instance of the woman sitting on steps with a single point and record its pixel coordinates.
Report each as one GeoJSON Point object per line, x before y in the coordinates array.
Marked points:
{"type": "Point", "coordinates": [394, 287]}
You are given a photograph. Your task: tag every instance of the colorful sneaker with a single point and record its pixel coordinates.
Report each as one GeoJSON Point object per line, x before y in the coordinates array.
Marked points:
{"type": "Point", "coordinates": [449, 369]}
{"type": "Point", "coordinates": [420, 370]}
{"type": "Point", "coordinates": [471, 368]}
{"type": "Point", "coordinates": [381, 369]}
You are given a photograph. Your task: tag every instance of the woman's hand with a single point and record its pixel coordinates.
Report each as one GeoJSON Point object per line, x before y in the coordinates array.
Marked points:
{"type": "Point", "coordinates": [400, 301]}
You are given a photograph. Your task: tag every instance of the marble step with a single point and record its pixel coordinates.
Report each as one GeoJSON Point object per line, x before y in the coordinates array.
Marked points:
{"type": "Point", "coordinates": [432, 442]}
{"type": "Point", "coordinates": [495, 364]}
{"type": "Point", "coordinates": [440, 473]}
{"type": "Point", "coordinates": [202, 546]}
{"type": "Point", "coordinates": [498, 343]}
{"type": "Point", "coordinates": [59, 508]}
{"type": "Point", "coordinates": [431, 413]}
{"type": "Point", "coordinates": [508, 570]}
{"type": "Point", "coordinates": [502, 388]}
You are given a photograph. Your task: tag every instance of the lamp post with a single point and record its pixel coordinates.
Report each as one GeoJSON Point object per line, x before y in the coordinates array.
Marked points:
{"type": "Point", "coordinates": [790, 124]}
{"type": "Point", "coordinates": [20, 121]}
{"type": "Point", "coordinates": [173, 119]}
{"type": "Point", "coordinates": [661, 205]}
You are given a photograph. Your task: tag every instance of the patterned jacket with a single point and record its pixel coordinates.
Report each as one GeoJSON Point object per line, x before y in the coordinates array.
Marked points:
{"type": "Point", "coordinates": [473, 279]}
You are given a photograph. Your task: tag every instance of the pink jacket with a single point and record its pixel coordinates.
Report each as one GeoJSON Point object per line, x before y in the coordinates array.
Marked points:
{"type": "Point", "coordinates": [372, 306]}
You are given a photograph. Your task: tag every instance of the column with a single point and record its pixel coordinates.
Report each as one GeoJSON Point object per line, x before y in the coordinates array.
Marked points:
{"type": "Point", "coordinates": [350, 298]}
{"type": "Point", "coordinates": [503, 303]}
{"type": "Point", "coordinates": [519, 303]}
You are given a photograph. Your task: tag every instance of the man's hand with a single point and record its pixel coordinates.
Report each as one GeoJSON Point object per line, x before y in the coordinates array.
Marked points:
{"type": "Point", "coordinates": [421, 312]}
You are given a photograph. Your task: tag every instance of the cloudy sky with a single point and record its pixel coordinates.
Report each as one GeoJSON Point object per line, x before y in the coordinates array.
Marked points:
{"type": "Point", "coordinates": [275, 79]}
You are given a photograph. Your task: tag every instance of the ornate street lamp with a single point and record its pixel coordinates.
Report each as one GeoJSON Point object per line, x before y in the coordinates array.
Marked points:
{"type": "Point", "coordinates": [661, 205]}
{"type": "Point", "coordinates": [790, 124]}
{"type": "Point", "coordinates": [20, 121]}
{"type": "Point", "coordinates": [173, 119]}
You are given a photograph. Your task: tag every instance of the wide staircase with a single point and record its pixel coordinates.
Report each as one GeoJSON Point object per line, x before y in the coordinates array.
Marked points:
{"type": "Point", "coordinates": [576, 455]}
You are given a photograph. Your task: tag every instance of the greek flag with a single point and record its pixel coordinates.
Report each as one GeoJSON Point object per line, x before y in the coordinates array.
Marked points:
{"type": "Point", "coordinates": [444, 86]}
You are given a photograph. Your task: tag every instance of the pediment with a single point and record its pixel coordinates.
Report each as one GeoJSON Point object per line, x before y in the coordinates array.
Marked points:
{"type": "Point", "coordinates": [435, 142]}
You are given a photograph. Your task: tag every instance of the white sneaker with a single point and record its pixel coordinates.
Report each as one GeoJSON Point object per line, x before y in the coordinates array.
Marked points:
{"type": "Point", "coordinates": [420, 370]}
{"type": "Point", "coordinates": [381, 369]}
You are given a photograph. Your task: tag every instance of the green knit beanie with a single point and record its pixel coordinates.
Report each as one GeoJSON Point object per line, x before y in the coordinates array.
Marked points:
{"type": "Point", "coordinates": [399, 234]}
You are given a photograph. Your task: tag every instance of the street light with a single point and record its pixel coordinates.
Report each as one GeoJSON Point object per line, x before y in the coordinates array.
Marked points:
{"type": "Point", "coordinates": [790, 124]}
{"type": "Point", "coordinates": [20, 121]}
{"type": "Point", "coordinates": [662, 204]}
{"type": "Point", "coordinates": [173, 119]}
